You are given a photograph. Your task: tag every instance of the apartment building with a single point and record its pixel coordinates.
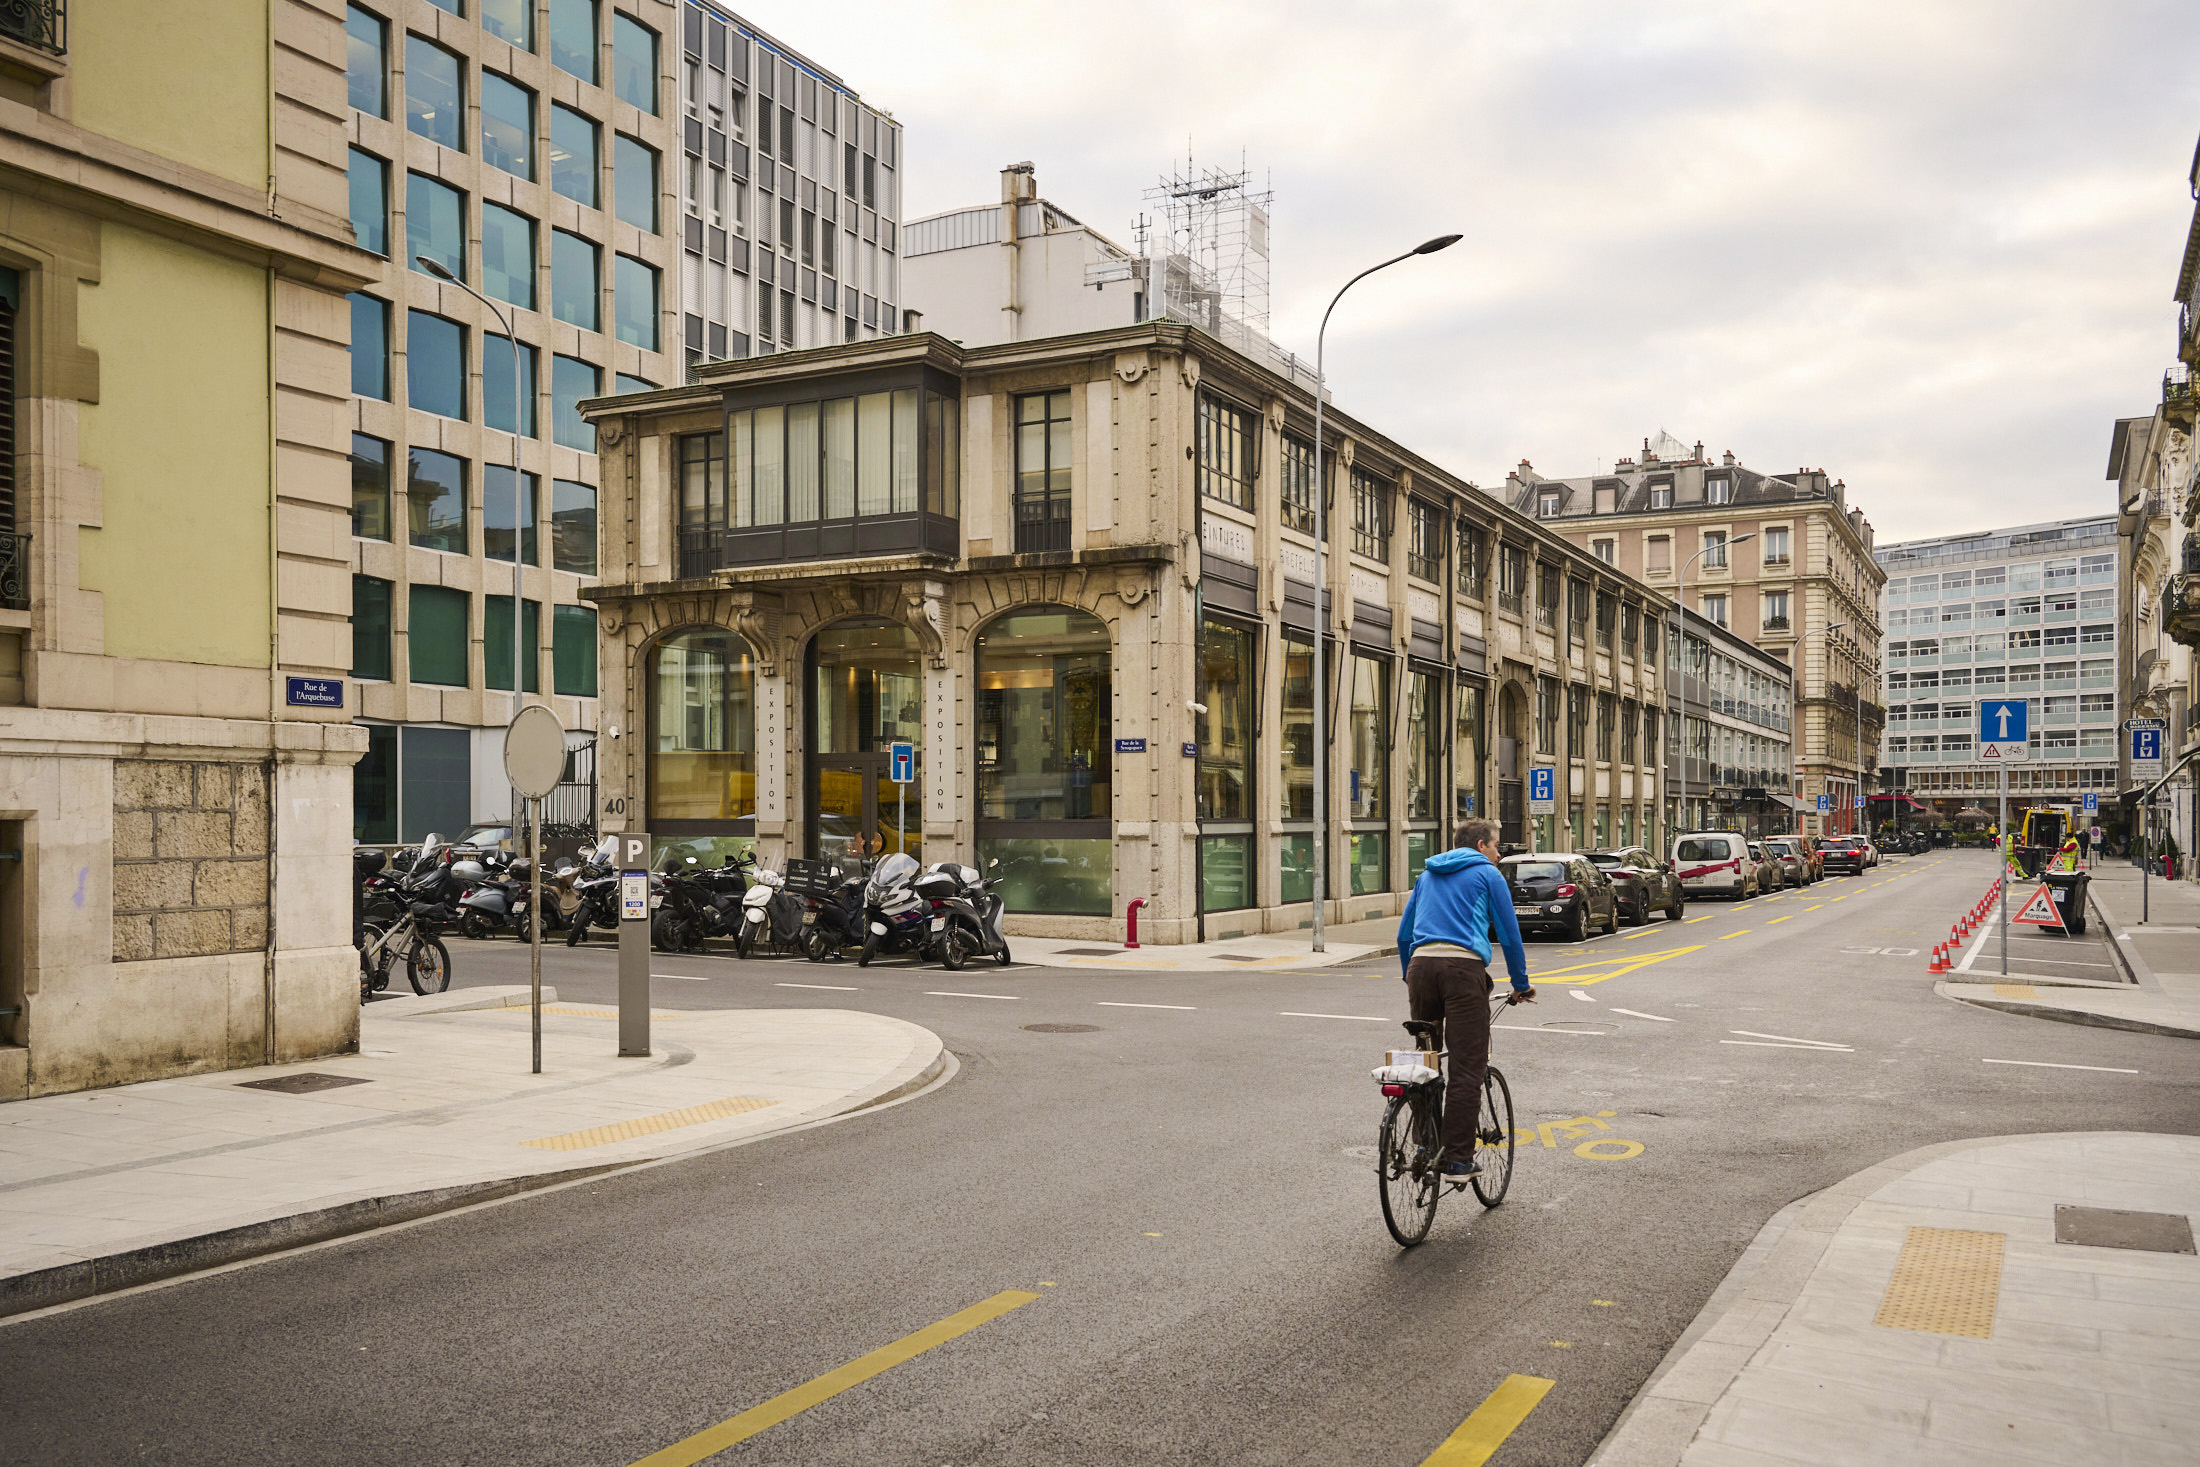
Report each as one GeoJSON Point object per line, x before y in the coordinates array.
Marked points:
{"type": "Point", "coordinates": [176, 745]}
{"type": "Point", "coordinates": [790, 198]}
{"type": "Point", "coordinates": [2151, 463]}
{"type": "Point", "coordinates": [525, 148]}
{"type": "Point", "coordinates": [2029, 612]}
{"type": "Point", "coordinates": [1079, 574]}
{"type": "Point", "coordinates": [1799, 581]}
{"type": "Point", "coordinates": [1731, 710]}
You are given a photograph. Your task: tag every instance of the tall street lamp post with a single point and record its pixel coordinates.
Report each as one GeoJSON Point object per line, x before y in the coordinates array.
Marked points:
{"type": "Point", "coordinates": [1722, 547]}
{"type": "Point", "coordinates": [1321, 593]}
{"type": "Point", "coordinates": [519, 481]}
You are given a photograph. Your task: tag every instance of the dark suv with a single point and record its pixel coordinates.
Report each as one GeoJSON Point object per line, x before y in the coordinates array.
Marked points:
{"type": "Point", "coordinates": [1561, 893]}
{"type": "Point", "coordinates": [1843, 853]}
{"type": "Point", "coordinates": [1644, 883]}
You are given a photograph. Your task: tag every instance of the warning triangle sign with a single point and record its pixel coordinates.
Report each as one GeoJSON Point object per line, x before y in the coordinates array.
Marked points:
{"type": "Point", "coordinates": [2039, 909]}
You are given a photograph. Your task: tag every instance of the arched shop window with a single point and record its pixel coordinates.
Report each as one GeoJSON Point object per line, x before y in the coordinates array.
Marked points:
{"type": "Point", "coordinates": [1045, 760]}
{"type": "Point", "coordinates": [702, 743]}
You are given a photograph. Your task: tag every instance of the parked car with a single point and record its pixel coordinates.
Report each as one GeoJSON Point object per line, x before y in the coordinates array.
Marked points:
{"type": "Point", "coordinates": [1643, 882]}
{"type": "Point", "coordinates": [1845, 854]}
{"type": "Point", "coordinates": [1794, 866]}
{"type": "Point", "coordinates": [1715, 863]}
{"type": "Point", "coordinates": [1813, 850]}
{"type": "Point", "coordinates": [1561, 893]}
{"type": "Point", "coordinates": [1771, 876]}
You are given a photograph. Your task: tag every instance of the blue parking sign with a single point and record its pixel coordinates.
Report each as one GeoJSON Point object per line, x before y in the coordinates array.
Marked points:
{"type": "Point", "coordinates": [2146, 746]}
{"type": "Point", "coordinates": [2092, 804]}
{"type": "Point", "coordinates": [1542, 790]}
{"type": "Point", "coordinates": [1824, 804]}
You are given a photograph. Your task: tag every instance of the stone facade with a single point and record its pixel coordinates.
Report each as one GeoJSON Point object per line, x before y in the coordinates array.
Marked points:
{"type": "Point", "coordinates": [190, 859]}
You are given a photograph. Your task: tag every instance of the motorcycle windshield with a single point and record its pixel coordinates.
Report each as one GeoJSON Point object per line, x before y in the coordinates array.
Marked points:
{"type": "Point", "coordinates": [893, 871]}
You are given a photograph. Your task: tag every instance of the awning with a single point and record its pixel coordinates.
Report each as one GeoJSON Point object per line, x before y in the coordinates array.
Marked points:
{"type": "Point", "coordinates": [1789, 802]}
{"type": "Point", "coordinates": [1905, 799]}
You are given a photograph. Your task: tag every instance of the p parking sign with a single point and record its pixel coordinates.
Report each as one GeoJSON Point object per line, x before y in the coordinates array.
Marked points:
{"type": "Point", "coordinates": [1542, 790]}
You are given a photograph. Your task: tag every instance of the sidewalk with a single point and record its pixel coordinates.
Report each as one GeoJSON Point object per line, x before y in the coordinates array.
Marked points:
{"type": "Point", "coordinates": [2160, 958]}
{"type": "Point", "coordinates": [1962, 1305]}
{"type": "Point", "coordinates": [1346, 942]}
{"type": "Point", "coordinates": [105, 1189]}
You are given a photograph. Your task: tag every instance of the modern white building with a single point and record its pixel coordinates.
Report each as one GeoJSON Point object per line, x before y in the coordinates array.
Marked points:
{"type": "Point", "coordinates": [2030, 613]}
{"type": "Point", "coordinates": [1019, 270]}
{"type": "Point", "coordinates": [790, 198]}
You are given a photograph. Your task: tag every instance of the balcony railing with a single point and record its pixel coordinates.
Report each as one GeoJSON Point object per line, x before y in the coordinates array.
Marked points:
{"type": "Point", "coordinates": [1776, 623]}
{"type": "Point", "coordinates": [15, 554]}
{"type": "Point", "coordinates": [43, 24]}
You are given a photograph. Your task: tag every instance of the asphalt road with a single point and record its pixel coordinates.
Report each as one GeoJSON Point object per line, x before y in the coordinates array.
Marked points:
{"type": "Point", "coordinates": [1187, 1190]}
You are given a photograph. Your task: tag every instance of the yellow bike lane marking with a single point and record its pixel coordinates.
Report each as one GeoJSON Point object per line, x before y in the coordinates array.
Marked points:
{"type": "Point", "coordinates": [1618, 965]}
{"type": "Point", "coordinates": [1499, 1415]}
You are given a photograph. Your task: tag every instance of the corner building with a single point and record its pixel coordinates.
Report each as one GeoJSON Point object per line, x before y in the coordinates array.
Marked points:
{"type": "Point", "coordinates": [1078, 573]}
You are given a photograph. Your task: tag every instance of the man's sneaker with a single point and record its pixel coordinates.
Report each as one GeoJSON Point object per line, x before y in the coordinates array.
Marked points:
{"type": "Point", "coordinates": [1458, 1173]}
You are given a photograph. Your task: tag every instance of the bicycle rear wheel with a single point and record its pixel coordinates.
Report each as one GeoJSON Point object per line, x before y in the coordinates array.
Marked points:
{"type": "Point", "coordinates": [1407, 1154]}
{"type": "Point", "coordinates": [1493, 1139]}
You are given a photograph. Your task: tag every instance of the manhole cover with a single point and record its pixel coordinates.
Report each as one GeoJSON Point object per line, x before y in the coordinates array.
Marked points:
{"type": "Point", "coordinates": [1087, 952]}
{"type": "Point", "coordinates": [304, 1084]}
{"type": "Point", "coordinates": [1061, 1028]}
{"type": "Point", "coordinates": [2105, 1227]}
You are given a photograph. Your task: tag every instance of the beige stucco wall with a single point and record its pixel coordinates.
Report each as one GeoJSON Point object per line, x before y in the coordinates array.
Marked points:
{"type": "Point", "coordinates": [189, 82]}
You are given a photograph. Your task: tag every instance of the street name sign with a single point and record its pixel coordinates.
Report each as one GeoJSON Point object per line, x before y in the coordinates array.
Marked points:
{"type": "Point", "coordinates": [314, 692]}
{"type": "Point", "coordinates": [1543, 790]}
{"type": "Point", "coordinates": [2004, 726]}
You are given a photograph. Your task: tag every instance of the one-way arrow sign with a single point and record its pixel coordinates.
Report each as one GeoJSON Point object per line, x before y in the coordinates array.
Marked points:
{"type": "Point", "coordinates": [2003, 727]}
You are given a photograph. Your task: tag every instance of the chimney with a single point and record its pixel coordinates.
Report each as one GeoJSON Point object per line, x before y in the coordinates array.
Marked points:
{"type": "Point", "coordinates": [1647, 456]}
{"type": "Point", "coordinates": [1729, 457]}
{"type": "Point", "coordinates": [1699, 450]}
{"type": "Point", "coordinates": [1019, 182]}
{"type": "Point", "coordinates": [912, 321]}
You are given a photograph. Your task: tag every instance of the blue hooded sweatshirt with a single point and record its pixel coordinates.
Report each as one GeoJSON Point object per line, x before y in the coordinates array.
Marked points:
{"type": "Point", "coordinates": [1459, 897]}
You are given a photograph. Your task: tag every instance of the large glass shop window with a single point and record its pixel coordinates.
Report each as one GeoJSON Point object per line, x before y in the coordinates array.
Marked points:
{"type": "Point", "coordinates": [1044, 760]}
{"type": "Point", "coordinates": [703, 739]}
{"type": "Point", "coordinates": [1229, 689]}
{"type": "Point", "coordinates": [1368, 795]}
{"type": "Point", "coordinates": [1467, 753]}
{"type": "Point", "coordinates": [868, 692]}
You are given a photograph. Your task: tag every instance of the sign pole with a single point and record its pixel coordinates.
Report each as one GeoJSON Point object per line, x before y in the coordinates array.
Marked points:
{"type": "Point", "coordinates": [2002, 852]}
{"type": "Point", "coordinates": [634, 869]}
{"type": "Point", "coordinates": [534, 761]}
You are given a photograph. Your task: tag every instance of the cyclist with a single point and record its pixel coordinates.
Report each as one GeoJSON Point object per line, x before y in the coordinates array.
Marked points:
{"type": "Point", "coordinates": [1444, 948]}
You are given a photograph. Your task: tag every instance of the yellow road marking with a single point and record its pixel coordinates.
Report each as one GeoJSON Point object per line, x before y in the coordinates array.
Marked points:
{"type": "Point", "coordinates": [1813, 909]}
{"type": "Point", "coordinates": [671, 1120]}
{"type": "Point", "coordinates": [1692, 921]}
{"type": "Point", "coordinates": [712, 1440]}
{"type": "Point", "coordinates": [1729, 937]}
{"type": "Point", "coordinates": [1501, 1412]}
{"type": "Point", "coordinates": [1619, 966]}
{"type": "Point", "coordinates": [1788, 918]}
{"type": "Point", "coordinates": [1604, 1303]}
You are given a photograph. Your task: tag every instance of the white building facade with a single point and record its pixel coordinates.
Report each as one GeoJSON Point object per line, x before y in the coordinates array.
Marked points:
{"type": "Point", "coordinates": [2027, 613]}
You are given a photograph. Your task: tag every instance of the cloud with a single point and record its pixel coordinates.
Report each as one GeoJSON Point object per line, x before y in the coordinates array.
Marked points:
{"type": "Point", "coordinates": [1929, 247]}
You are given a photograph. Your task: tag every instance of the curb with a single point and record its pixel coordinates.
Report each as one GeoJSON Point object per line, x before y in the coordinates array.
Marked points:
{"type": "Point", "coordinates": [2135, 967]}
{"type": "Point", "coordinates": [113, 1272]}
{"type": "Point", "coordinates": [1657, 1427]}
{"type": "Point", "coordinates": [2068, 1016]}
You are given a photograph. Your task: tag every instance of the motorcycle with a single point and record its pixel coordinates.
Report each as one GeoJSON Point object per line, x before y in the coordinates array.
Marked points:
{"type": "Point", "coordinates": [896, 918]}
{"type": "Point", "coordinates": [833, 909]}
{"type": "Point", "coordinates": [966, 915]}
{"type": "Point", "coordinates": [595, 893]}
{"type": "Point", "coordinates": [694, 904]}
{"type": "Point", "coordinates": [772, 917]}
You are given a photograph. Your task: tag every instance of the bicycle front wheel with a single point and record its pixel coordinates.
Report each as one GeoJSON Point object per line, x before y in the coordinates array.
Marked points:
{"type": "Point", "coordinates": [428, 966]}
{"type": "Point", "coordinates": [1407, 1155]}
{"type": "Point", "coordinates": [1493, 1139]}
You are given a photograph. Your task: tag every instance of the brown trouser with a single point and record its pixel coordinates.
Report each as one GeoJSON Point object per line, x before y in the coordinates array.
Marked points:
{"type": "Point", "coordinates": [1455, 992]}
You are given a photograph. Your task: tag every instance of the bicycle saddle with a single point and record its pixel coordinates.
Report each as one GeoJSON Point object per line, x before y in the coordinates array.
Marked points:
{"type": "Point", "coordinates": [1420, 1029]}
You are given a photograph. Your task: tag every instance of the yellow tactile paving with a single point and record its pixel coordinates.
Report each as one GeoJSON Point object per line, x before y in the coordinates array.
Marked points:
{"type": "Point", "coordinates": [2015, 990]}
{"type": "Point", "coordinates": [1946, 1282]}
{"type": "Point", "coordinates": [671, 1120]}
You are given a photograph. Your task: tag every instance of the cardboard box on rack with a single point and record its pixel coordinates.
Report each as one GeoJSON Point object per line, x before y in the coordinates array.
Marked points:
{"type": "Point", "coordinates": [1426, 1058]}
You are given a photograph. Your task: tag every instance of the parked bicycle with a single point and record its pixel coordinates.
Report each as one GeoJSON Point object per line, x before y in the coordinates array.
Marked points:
{"type": "Point", "coordinates": [1409, 1149]}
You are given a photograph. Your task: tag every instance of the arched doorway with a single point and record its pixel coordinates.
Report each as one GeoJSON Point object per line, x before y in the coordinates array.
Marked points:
{"type": "Point", "coordinates": [702, 742]}
{"type": "Point", "coordinates": [1512, 738]}
{"type": "Point", "coordinates": [866, 687]}
{"type": "Point", "coordinates": [1045, 760]}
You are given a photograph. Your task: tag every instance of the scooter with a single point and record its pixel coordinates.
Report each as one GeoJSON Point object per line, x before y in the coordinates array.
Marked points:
{"type": "Point", "coordinates": [971, 910]}
{"type": "Point", "coordinates": [771, 917]}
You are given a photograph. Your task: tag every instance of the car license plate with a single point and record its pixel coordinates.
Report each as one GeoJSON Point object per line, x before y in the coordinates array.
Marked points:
{"type": "Point", "coordinates": [939, 924]}
{"type": "Point", "coordinates": [656, 902]}
{"type": "Point", "coordinates": [809, 919]}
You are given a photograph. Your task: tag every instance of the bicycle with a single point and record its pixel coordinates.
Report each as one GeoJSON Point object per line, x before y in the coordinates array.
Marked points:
{"type": "Point", "coordinates": [408, 940]}
{"type": "Point", "coordinates": [1409, 1149]}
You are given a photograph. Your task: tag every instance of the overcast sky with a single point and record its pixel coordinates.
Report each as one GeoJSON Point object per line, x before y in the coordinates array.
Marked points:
{"type": "Point", "coordinates": [1928, 246]}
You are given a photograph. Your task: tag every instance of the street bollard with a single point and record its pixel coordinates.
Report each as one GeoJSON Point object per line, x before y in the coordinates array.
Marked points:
{"type": "Point", "coordinates": [1130, 915]}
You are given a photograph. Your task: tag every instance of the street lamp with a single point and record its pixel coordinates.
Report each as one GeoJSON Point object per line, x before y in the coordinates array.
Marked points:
{"type": "Point", "coordinates": [519, 485]}
{"type": "Point", "coordinates": [1321, 627]}
{"type": "Point", "coordinates": [1795, 742]}
{"type": "Point", "coordinates": [1722, 547]}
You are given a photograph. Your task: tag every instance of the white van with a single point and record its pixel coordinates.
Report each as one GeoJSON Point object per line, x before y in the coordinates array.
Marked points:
{"type": "Point", "coordinates": [1715, 863]}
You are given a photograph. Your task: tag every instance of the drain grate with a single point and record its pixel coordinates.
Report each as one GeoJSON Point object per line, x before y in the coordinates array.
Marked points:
{"type": "Point", "coordinates": [1061, 1028]}
{"type": "Point", "coordinates": [1946, 1282]}
{"type": "Point", "coordinates": [304, 1084]}
{"type": "Point", "coordinates": [1088, 952]}
{"type": "Point", "coordinates": [2105, 1227]}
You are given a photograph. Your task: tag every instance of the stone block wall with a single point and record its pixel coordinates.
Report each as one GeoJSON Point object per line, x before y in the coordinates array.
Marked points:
{"type": "Point", "coordinates": [190, 868]}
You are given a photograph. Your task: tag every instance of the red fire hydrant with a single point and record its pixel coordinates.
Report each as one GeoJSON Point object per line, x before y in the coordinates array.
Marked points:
{"type": "Point", "coordinates": [1130, 915]}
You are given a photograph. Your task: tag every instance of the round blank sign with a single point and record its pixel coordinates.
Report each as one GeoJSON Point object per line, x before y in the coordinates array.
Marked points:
{"type": "Point", "coordinates": [534, 751]}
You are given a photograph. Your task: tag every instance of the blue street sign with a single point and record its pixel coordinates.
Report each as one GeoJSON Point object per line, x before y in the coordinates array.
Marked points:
{"type": "Point", "coordinates": [2005, 722]}
{"type": "Point", "coordinates": [2146, 746]}
{"type": "Point", "coordinates": [314, 692]}
{"type": "Point", "coordinates": [901, 762]}
{"type": "Point", "coordinates": [1542, 790]}
{"type": "Point", "coordinates": [1859, 802]}
{"type": "Point", "coordinates": [1191, 750]}
{"type": "Point", "coordinates": [1130, 746]}
{"type": "Point", "coordinates": [2092, 804]}
{"type": "Point", "coordinates": [1825, 803]}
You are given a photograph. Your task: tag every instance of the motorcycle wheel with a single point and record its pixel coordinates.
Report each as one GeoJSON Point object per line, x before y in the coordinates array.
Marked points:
{"type": "Point", "coordinates": [870, 947]}
{"type": "Point", "coordinates": [667, 933]}
{"type": "Point", "coordinates": [744, 941]}
{"type": "Point", "coordinates": [1002, 957]}
{"type": "Point", "coordinates": [428, 965]}
{"type": "Point", "coordinates": [816, 946]}
{"type": "Point", "coordinates": [953, 950]}
{"type": "Point", "coordinates": [578, 930]}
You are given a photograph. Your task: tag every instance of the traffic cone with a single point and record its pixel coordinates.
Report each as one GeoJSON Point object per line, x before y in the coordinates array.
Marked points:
{"type": "Point", "coordinates": [1939, 964]}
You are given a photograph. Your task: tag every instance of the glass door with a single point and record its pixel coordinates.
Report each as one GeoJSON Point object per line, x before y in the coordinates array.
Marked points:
{"type": "Point", "coordinates": [843, 827]}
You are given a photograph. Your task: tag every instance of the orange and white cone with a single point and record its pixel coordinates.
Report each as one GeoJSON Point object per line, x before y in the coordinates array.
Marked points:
{"type": "Point", "coordinates": [1939, 964]}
